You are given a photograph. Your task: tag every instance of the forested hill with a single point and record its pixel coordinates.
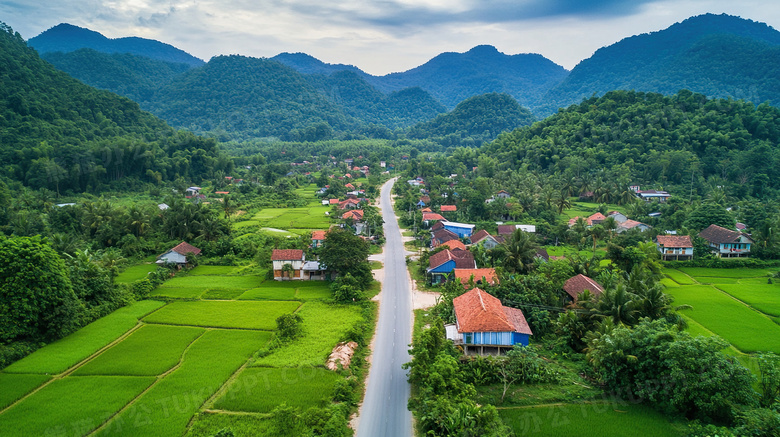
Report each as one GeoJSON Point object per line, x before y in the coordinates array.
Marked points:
{"type": "Point", "coordinates": [665, 141]}
{"type": "Point", "coordinates": [454, 77]}
{"type": "Point", "coordinates": [357, 98]}
{"type": "Point", "coordinates": [474, 121]}
{"type": "Point", "coordinates": [308, 64]}
{"type": "Point", "coordinates": [68, 38]}
{"type": "Point", "coordinates": [716, 55]}
{"type": "Point", "coordinates": [133, 76]}
{"type": "Point", "coordinates": [236, 97]}
{"type": "Point", "coordinates": [57, 133]}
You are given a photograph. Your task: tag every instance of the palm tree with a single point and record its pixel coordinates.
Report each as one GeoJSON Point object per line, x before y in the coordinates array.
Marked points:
{"type": "Point", "coordinates": [520, 252]}
{"type": "Point", "coordinates": [562, 203]}
{"type": "Point", "coordinates": [618, 304]}
{"type": "Point", "coordinates": [137, 221]}
{"type": "Point", "coordinates": [596, 233]}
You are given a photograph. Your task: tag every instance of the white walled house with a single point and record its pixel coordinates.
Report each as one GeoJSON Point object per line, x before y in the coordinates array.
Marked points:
{"type": "Point", "coordinates": [294, 257]}
{"type": "Point", "coordinates": [675, 247]}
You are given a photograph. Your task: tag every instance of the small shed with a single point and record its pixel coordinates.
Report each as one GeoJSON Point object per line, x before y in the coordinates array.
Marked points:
{"type": "Point", "coordinates": [178, 254]}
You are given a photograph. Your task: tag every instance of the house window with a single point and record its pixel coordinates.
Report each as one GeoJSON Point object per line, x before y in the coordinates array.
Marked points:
{"type": "Point", "coordinates": [468, 338]}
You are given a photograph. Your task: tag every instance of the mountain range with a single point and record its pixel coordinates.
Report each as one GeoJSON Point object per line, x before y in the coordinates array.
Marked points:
{"type": "Point", "coordinates": [716, 55]}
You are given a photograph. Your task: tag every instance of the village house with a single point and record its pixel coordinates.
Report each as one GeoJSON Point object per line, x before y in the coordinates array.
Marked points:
{"type": "Point", "coordinates": [441, 264]}
{"type": "Point", "coordinates": [484, 326]}
{"type": "Point", "coordinates": [317, 238]}
{"type": "Point", "coordinates": [595, 219]}
{"type": "Point", "coordinates": [448, 208]}
{"type": "Point", "coordinates": [441, 236]}
{"type": "Point", "coordinates": [674, 247]}
{"type": "Point", "coordinates": [428, 217]}
{"type": "Point", "coordinates": [481, 276]}
{"type": "Point", "coordinates": [508, 230]}
{"type": "Point", "coordinates": [483, 237]}
{"type": "Point", "coordinates": [650, 195]}
{"type": "Point", "coordinates": [350, 203]}
{"type": "Point", "coordinates": [631, 224]}
{"type": "Point", "coordinates": [726, 243]}
{"type": "Point", "coordinates": [503, 195]}
{"type": "Point", "coordinates": [294, 257]}
{"type": "Point", "coordinates": [576, 285]}
{"type": "Point", "coordinates": [618, 216]}
{"type": "Point", "coordinates": [178, 255]}
{"type": "Point", "coordinates": [454, 244]}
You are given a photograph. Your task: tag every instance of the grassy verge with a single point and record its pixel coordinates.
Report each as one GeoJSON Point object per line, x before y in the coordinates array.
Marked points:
{"type": "Point", "coordinates": [324, 325]}
{"type": "Point", "coordinates": [134, 273]}
{"type": "Point", "coordinates": [65, 353]}
{"type": "Point", "coordinates": [597, 419]}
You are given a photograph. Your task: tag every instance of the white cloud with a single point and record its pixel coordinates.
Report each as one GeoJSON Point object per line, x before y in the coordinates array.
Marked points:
{"type": "Point", "coordinates": [379, 36]}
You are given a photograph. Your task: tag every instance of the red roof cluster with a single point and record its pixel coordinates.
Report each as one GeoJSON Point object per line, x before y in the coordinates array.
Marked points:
{"type": "Point", "coordinates": [287, 255]}
{"type": "Point", "coordinates": [477, 311]}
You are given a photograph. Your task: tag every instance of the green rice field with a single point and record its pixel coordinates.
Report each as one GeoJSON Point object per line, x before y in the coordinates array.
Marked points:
{"type": "Point", "coordinates": [57, 410]}
{"type": "Point", "coordinates": [746, 329]}
{"type": "Point", "coordinates": [289, 290]}
{"type": "Point", "coordinates": [151, 350]}
{"type": "Point", "coordinates": [214, 270]}
{"type": "Point", "coordinates": [17, 385]}
{"type": "Point", "coordinates": [602, 420]}
{"type": "Point", "coordinates": [166, 408]}
{"type": "Point", "coordinates": [323, 326]}
{"type": "Point", "coordinates": [207, 424]}
{"type": "Point", "coordinates": [269, 293]}
{"type": "Point", "coordinates": [726, 273]}
{"type": "Point", "coordinates": [764, 297]}
{"type": "Point", "coordinates": [194, 286]}
{"type": "Point", "coordinates": [223, 314]}
{"type": "Point", "coordinates": [221, 294]}
{"type": "Point", "coordinates": [65, 353]}
{"type": "Point", "coordinates": [261, 389]}
{"type": "Point", "coordinates": [679, 277]}
{"type": "Point", "coordinates": [134, 273]}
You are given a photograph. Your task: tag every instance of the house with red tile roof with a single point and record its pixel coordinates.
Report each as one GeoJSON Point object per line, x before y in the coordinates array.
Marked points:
{"type": "Point", "coordinates": [428, 217]}
{"type": "Point", "coordinates": [575, 285]}
{"type": "Point", "coordinates": [350, 203]}
{"type": "Point", "coordinates": [454, 244]}
{"type": "Point", "coordinates": [426, 209]}
{"type": "Point", "coordinates": [317, 238]}
{"type": "Point", "coordinates": [726, 243]}
{"type": "Point", "coordinates": [178, 254]}
{"type": "Point", "coordinates": [295, 257]}
{"type": "Point", "coordinates": [355, 214]}
{"type": "Point", "coordinates": [481, 276]}
{"type": "Point", "coordinates": [448, 208]}
{"type": "Point", "coordinates": [629, 224]}
{"type": "Point", "coordinates": [333, 201]}
{"type": "Point", "coordinates": [441, 264]}
{"type": "Point", "coordinates": [674, 247]}
{"type": "Point", "coordinates": [483, 325]}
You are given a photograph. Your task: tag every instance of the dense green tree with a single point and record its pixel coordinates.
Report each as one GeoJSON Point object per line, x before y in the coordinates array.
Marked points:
{"type": "Point", "coordinates": [344, 252]}
{"type": "Point", "coordinates": [37, 301]}
{"type": "Point", "coordinates": [709, 214]}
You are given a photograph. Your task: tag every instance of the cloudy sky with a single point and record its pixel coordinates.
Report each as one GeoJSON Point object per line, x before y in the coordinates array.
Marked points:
{"type": "Point", "coordinates": [379, 36]}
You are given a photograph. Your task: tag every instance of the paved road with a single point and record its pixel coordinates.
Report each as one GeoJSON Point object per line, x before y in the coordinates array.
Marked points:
{"type": "Point", "coordinates": [384, 411]}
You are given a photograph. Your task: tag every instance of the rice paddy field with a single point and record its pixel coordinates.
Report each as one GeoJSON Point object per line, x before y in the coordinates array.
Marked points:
{"type": "Point", "coordinates": [65, 353]}
{"type": "Point", "coordinates": [261, 389]}
{"type": "Point", "coordinates": [602, 419]}
{"type": "Point", "coordinates": [158, 367]}
{"type": "Point", "coordinates": [223, 314]}
{"type": "Point", "coordinates": [736, 304]}
{"type": "Point", "coordinates": [135, 273]}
